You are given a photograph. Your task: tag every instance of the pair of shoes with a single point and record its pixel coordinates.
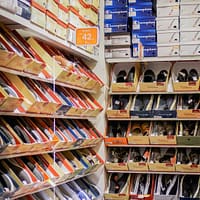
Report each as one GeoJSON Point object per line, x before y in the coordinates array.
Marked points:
{"type": "Point", "coordinates": [191, 101]}
{"type": "Point", "coordinates": [139, 155]}
{"type": "Point", "coordinates": [141, 184]}
{"type": "Point", "coordinates": [117, 182]}
{"type": "Point", "coordinates": [163, 128]}
{"type": "Point", "coordinates": [166, 184]}
{"type": "Point", "coordinates": [142, 102]}
{"type": "Point", "coordinates": [118, 155]}
{"type": "Point", "coordinates": [190, 186]}
{"type": "Point", "coordinates": [118, 129]}
{"type": "Point", "coordinates": [122, 76]}
{"type": "Point", "coordinates": [149, 76]}
{"type": "Point", "coordinates": [140, 129]}
{"type": "Point", "coordinates": [162, 157]}
{"type": "Point", "coordinates": [119, 102]}
{"type": "Point", "coordinates": [191, 76]}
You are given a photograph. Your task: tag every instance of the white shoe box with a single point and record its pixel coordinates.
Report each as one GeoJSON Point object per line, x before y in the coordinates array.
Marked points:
{"type": "Point", "coordinates": [190, 9]}
{"type": "Point", "coordinates": [190, 50]}
{"type": "Point", "coordinates": [189, 23]}
{"type": "Point", "coordinates": [168, 11]}
{"type": "Point", "coordinates": [166, 2]}
{"type": "Point", "coordinates": [115, 40]}
{"type": "Point", "coordinates": [168, 50]}
{"type": "Point", "coordinates": [189, 1]}
{"type": "Point", "coordinates": [118, 53]}
{"type": "Point", "coordinates": [168, 23]}
{"type": "Point", "coordinates": [190, 37]}
{"type": "Point", "coordinates": [166, 37]}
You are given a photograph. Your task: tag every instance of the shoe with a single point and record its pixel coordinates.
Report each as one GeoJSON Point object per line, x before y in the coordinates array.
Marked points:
{"type": "Point", "coordinates": [189, 186]}
{"type": "Point", "coordinates": [182, 157]}
{"type": "Point", "coordinates": [182, 76]}
{"type": "Point", "coordinates": [190, 102]}
{"type": "Point", "coordinates": [155, 155]}
{"type": "Point", "coordinates": [162, 76]}
{"type": "Point", "coordinates": [121, 76]}
{"type": "Point", "coordinates": [194, 157]}
{"type": "Point", "coordinates": [120, 102]}
{"type": "Point", "coordinates": [166, 102]}
{"type": "Point", "coordinates": [193, 75]}
{"type": "Point", "coordinates": [118, 129]}
{"type": "Point", "coordinates": [117, 182]}
{"type": "Point", "coordinates": [149, 76]}
{"type": "Point", "coordinates": [142, 103]}
{"type": "Point", "coordinates": [131, 75]}
{"type": "Point", "coordinates": [166, 158]}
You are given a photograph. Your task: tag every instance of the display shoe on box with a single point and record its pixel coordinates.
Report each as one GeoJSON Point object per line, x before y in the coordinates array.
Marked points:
{"type": "Point", "coordinates": [121, 76]}
{"type": "Point", "coordinates": [193, 75]}
{"type": "Point", "coordinates": [167, 184]}
{"type": "Point", "coordinates": [120, 102]}
{"type": "Point", "coordinates": [187, 128]}
{"type": "Point", "coordinates": [190, 101]}
{"type": "Point", "coordinates": [182, 157]}
{"type": "Point", "coordinates": [131, 75]}
{"type": "Point", "coordinates": [166, 102]}
{"type": "Point", "coordinates": [166, 158]}
{"type": "Point", "coordinates": [155, 155]}
{"type": "Point", "coordinates": [117, 182]}
{"type": "Point", "coordinates": [194, 157]}
{"type": "Point", "coordinates": [142, 103]}
{"type": "Point", "coordinates": [136, 156]}
{"type": "Point", "coordinates": [189, 186]}
{"type": "Point", "coordinates": [149, 76]}
{"type": "Point", "coordinates": [136, 129]}
{"type": "Point", "coordinates": [162, 76]}
{"type": "Point", "coordinates": [182, 76]}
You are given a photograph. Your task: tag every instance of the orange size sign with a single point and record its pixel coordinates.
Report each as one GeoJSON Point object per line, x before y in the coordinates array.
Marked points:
{"type": "Point", "coordinates": [87, 36]}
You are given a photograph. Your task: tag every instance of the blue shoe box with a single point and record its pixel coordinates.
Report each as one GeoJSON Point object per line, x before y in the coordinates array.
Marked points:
{"type": "Point", "coordinates": [116, 3]}
{"type": "Point", "coordinates": [141, 10]}
{"type": "Point", "coordinates": [140, 24]}
{"type": "Point", "coordinates": [116, 14]}
{"type": "Point", "coordinates": [115, 27]}
{"type": "Point", "coordinates": [134, 2]}
{"type": "Point", "coordinates": [24, 9]}
{"type": "Point", "coordinates": [144, 37]}
{"type": "Point", "coordinates": [140, 50]}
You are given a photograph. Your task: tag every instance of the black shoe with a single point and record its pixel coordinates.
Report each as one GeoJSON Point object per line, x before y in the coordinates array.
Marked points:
{"type": "Point", "coordinates": [149, 76]}
{"type": "Point", "coordinates": [193, 75]}
{"type": "Point", "coordinates": [121, 76]}
{"type": "Point", "coordinates": [162, 76]}
{"type": "Point", "coordinates": [182, 76]}
{"type": "Point", "coordinates": [131, 75]}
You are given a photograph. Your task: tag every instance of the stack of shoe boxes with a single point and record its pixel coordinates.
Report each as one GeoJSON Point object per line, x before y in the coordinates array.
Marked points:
{"type": "Point", "coordinates": [143, 30]}
{"type": "Point", "coordinates": [189, 28]}
{"type": "Point", "coordinates": [168, 27]}
{"type": "Point", "coordinates": [117, 37]}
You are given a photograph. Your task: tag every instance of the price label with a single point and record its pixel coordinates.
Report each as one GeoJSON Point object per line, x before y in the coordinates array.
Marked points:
{"type": "Point", "coordinates": [87, 36]}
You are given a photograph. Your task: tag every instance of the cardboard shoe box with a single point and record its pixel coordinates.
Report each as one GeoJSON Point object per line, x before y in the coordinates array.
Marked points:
{"type": "Point", "coordinates": [188, 160]}
{"type": "Point", "coordinates": [118, 52]}
{"type": "Point", "coordinates": [163, 133]}
{"type": "Point", "coordinates": [162, 159]}
{"type": "Point", "coordinates": [166, 37]}
{"type": "Point", "coordinates": [131, 70]}
{"type": "Point", "coordinates": [123, 193]}
{"type": "Point", "coordinates": [116, 40]}
{"type": "Point", "coordinates": [189, 23]}
{"type": "Point", "coordinates": [167, 24]}
{"type": "Point", "coordinates": [114, 110]}
{"type": "Point", "coordinates": [38, 14]}
{"type": "Point", "coordinates": [156, 85]}
{"type": "Point", "coordinates": [168, 50]}
{"type": "Point", "coordinates": [187, 85]}
{"type": "Point", "coordinates": [190, 9]}
{"type": "Point", "coordinates": [168, 11]}
{"type": "Point", "coordinates": [189, 50]}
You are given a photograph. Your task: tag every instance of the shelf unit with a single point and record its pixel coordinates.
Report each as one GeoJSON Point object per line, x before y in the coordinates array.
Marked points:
{"type": "Point", "coordinates": [26, 29]}
{"type": "Point", "coordinates": [111, 62]}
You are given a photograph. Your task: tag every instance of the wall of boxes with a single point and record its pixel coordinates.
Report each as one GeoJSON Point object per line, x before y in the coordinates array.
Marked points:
{"type": "Point", "coordinates": [59, 17]}
{"type": "Point", "coordinates": [46, 101]}
{"type": "Point", "coordinates": [152, 28]}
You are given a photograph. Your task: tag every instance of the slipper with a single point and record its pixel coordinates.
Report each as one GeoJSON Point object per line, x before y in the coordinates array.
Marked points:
{"type": "Point", "coordinates": [149, 76]}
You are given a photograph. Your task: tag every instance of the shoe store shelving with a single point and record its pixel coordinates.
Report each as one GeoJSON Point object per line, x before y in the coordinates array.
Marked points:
{"type": "Point", "coordinates": [17, 22]}
{"type": "Point", "coordinates": [57, 147]}
{"type": "Point", "coordinates": [121, 142]}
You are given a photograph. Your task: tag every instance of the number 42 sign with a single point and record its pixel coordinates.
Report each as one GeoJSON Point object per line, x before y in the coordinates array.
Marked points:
{"type": "Point", "coordinates": [87, 36]}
